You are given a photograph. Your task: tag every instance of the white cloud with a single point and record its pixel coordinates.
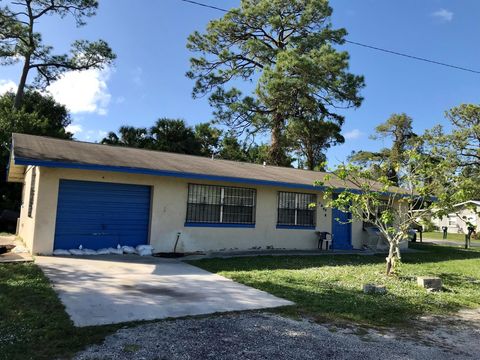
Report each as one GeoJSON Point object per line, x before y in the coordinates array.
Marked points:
{"type": "Point", "coordinates": [7, 85]}
{"type": "Point", "coordinates": [83, 91]}
{"type": "Point", "coordinates": [74, 128]}
{"type": "Point", "coordinates": [137, 77]}
{"type": "Point", "coordinates": [353, 134]}
{"type": "Point", "coordinates": [443, 14]}
{"type": "Point", "coordinates": [102, 133]}
{"type": "Point", "coordinates": [93, 135]}
{"type": "Point", "coordinates": [120, 100]}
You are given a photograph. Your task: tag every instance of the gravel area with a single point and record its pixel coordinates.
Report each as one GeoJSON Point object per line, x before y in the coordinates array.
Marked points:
{"type": "Point", "coordinates": [268, 336]}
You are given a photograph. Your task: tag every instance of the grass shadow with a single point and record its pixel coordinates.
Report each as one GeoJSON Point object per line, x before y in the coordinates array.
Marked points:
{"type": "Point", "coordinates": [33, 321]}
{"type": "Point", "coordinates": [430, 254]}
{"type": "Point", "coordinates": [439, 253]}
{"type": "Point", "coordinates": [339, 304]}
{"type": "Point", "coordinates": [331, 286]}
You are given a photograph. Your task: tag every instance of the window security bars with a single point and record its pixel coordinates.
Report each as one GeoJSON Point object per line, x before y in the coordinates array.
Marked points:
{"type": "Point", "coordinates": [220, 204]}
{"type": "Point", "coordinates": [294, 209]}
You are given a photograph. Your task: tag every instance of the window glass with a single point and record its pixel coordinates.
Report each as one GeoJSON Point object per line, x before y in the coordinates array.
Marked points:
{"type": "Point", "coordinates": [220, 204]}
{"type": "Point", "coordinates": [295, 209]}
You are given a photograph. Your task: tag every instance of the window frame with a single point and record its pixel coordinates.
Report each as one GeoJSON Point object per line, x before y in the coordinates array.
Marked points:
{"type": "Point", "coordinates": [384, 204]}
{"type": "Point", "coordinates": [452, 220]}
{"type": "Point", "coordinates": [297, 209]}
{"type": "Point", "coordinates": [220, 222]}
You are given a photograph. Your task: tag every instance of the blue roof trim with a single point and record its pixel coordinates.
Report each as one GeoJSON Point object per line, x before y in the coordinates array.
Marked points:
{"type": "Point", "coordinates": [170, 173]}
{"type": "Point", "coordinates": [188, 175]}
{"type": "Point", "coordinates": [218, 225]}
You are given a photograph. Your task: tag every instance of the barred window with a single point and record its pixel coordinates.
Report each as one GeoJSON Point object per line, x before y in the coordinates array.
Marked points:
{"type": "Point", "coordinates": [295, 209]}
{"type": "Point", "coordinates": [32, 191]}
{"type": "Point", "coordinates": [220, 204]}
{"type": "Point", "coordinates": [378, 209]}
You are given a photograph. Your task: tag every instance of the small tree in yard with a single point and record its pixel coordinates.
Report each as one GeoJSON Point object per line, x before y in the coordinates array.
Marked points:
{"type": "Point", "coordinates": [393, 210]}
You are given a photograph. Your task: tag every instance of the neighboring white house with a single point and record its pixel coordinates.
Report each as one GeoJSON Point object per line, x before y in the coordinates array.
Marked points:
{"type": "Point", "coordinates": [457, 222]}
{"type": "Point", "coordinates": [78, 193]}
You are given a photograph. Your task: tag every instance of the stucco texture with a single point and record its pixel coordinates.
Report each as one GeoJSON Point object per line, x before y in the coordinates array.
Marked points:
{"type": "Point", "coordinates": [168, 211]}
{"type": "Point", "coordinates": [458, 221]}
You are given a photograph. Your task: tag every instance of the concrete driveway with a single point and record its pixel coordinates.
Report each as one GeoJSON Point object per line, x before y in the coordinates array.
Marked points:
{"type": "Point", "coordinates": [113, 289]}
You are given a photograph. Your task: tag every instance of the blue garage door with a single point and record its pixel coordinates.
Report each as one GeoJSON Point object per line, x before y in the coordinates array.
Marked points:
{"type": "Point", "coordinates": [97, 215]}
{"type": "Point", "coordinates": [341, 230]}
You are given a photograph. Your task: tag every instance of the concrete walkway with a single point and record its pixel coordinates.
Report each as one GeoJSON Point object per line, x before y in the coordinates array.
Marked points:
{"type": "Point", "coordinates": [473, 243]}
{"type": "Point", "coordinates": [110, 289]}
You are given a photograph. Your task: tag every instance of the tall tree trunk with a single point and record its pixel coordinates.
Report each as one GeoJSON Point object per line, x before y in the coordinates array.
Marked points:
{"type": "Point", "coordinates": [21, 85]}
{"type": "Point", "coordinates": [310, 159]}
{"type": "Point", "coordinates": [276, 154]}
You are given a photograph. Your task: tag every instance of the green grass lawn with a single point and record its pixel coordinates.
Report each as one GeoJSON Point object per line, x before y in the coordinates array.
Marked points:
{"type": "Point", "coordinates": [34, 325]}
{"type": "Point", "coordinates": [329, 287]}
{"type": "Point", "coordinates": [33, 322]}
{"type": "Point", "coordinates": [450, 237]}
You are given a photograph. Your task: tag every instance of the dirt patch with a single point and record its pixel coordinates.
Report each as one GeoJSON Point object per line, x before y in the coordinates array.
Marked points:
{"type": "Point", "coordinates": [459, 331]}
{"type": "Point", "coordinates": [162, 290]}
{"type": "Point", "coordinates": [267, 336]}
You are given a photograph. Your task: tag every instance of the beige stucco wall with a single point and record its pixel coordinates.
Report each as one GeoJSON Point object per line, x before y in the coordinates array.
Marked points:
{"type": "Point", "coordinates": [168, 212]}
{"type": "Point", "coordinates": [460, 218]}
{"type": "Point", "coordinates": [26, 226]}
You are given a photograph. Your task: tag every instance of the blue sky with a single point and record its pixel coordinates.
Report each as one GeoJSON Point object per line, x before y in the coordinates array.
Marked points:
{"type": "Point", "coordinates": [148, 80]}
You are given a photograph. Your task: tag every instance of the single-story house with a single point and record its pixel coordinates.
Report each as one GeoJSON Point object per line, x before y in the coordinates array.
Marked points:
{"type": "Point", "coordinates": [458, 221]}
{"type": "Point", "coordinates": [78, 193]}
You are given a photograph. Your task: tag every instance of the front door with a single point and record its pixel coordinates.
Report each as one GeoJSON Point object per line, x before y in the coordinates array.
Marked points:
{"type": "Point", "coordinates": [341, 230]}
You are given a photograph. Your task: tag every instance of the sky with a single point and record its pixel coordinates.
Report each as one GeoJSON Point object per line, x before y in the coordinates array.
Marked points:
{"type": "Point", "coordinates": [148, 80]}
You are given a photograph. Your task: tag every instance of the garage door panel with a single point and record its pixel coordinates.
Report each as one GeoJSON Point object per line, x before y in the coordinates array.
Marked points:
{"type": "Point", "coordinates": [110, 200]}
{"type": "Point", "coordinates": [71, 241]}
{"type": "Point", "coordinates": [97, 215]}
{"type": "Point", "coordinates": [114, 200]}
{"type": "Point", "coordinates": [97, 222]}
{"type": "Point", "coordinates": [72, 228]}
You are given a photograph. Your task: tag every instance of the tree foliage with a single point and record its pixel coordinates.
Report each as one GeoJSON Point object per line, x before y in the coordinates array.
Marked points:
{"type": "Point", "coordinates": [387, 161]}
{"type": "Point", "coordinates": [129, 136]}
{"type": "Point", "coordinates": [38, 115]}
{"type": "Point", "coordinates": [461, 148]}
{"type": "Point", "coordinates": [287, 48]}
{"type": "Point", "coordinates": [393, 210]}
{"type": "Point", "coordinates": [231, 149]}
{"type": "Point", "coordinates": [174, 135]}
{"type": "Point", "coordinates": [171, 135]}
{"type": "Point", "coordinates": [208, 138]}
{"type": "Point", "coordinates": [309, 138]}
{"type": "Point", "coordinates": [20, 42]}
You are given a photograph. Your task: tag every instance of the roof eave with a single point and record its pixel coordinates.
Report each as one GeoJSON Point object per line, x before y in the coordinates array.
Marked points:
{"type": "Point", "coordinates": [15, 172]}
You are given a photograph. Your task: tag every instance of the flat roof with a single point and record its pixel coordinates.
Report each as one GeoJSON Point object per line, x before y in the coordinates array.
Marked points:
{"type": "Point", "coordinates": [52, 152]}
